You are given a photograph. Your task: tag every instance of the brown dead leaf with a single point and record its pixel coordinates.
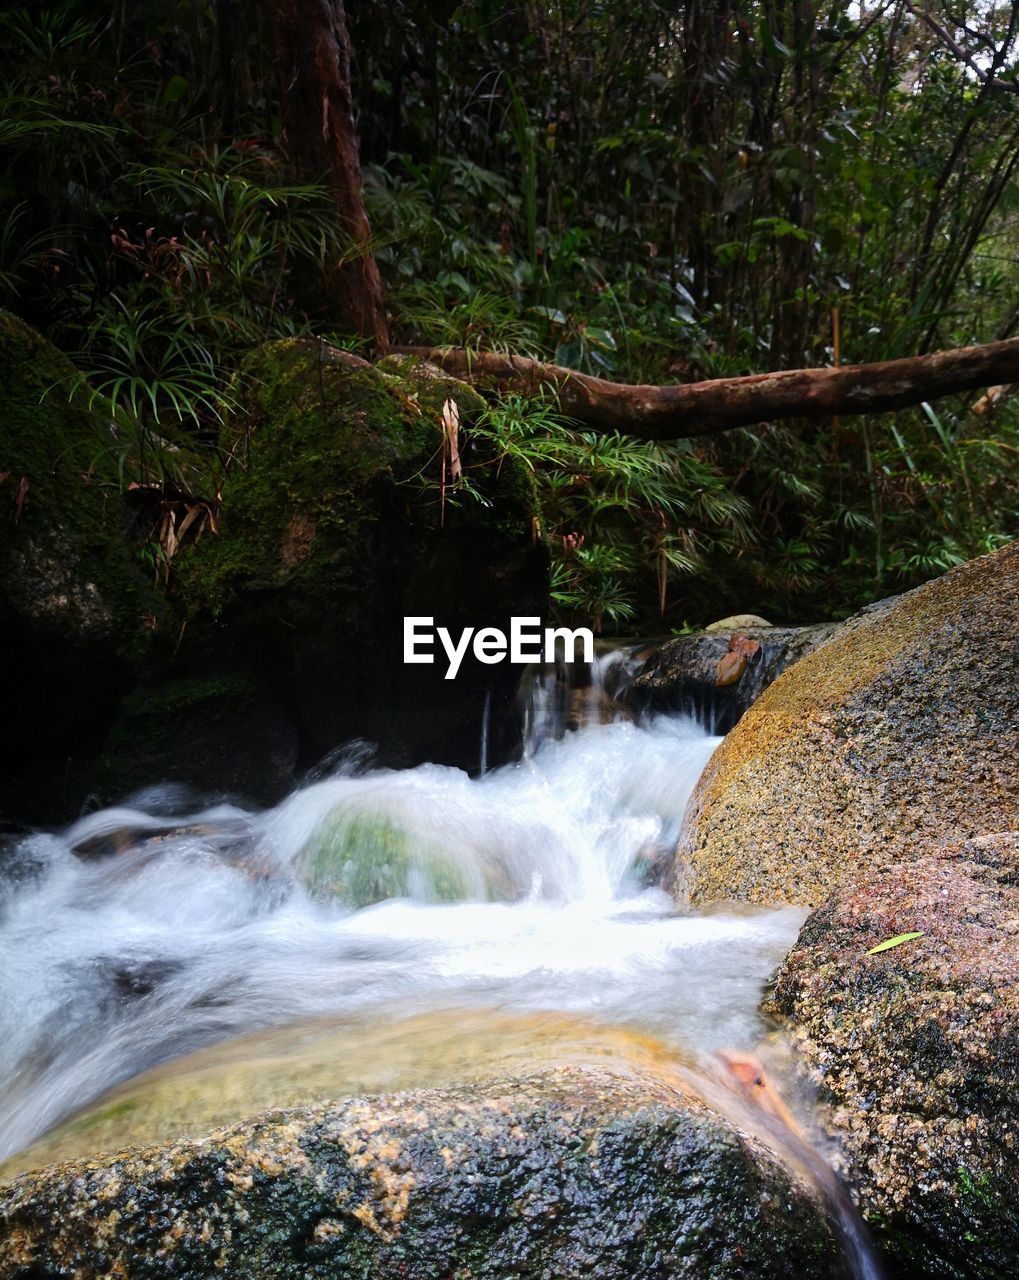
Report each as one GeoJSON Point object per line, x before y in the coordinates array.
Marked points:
{"type": "Point", "coordinates": [730, 668]}
{"type": "Point", "coordinates": [190, 516]}
{"type": "Point", "coordinates": [451, 430]}
{"type": "Point", "coordinates": [168, 535]}
{"type": "Point", "coordinates": [744, 645]}
{"type": "Point", "coordinates": [747, 1074]}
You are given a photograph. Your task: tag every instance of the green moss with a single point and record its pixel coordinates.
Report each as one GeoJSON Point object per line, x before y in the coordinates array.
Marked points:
{"type": "Point", "coordinates": [220, 695]}
{"type": "Point", "coordinates": [101, 1116]}
{"type": "Point", "coordinates": [154, 717]}
{"type": "Point", "coordinates": [361, 858]}
{"type": "Point", "coordinates": [431, 387]}
{"type": "Point", "coordinates": [327, 457]}
{"type": "Point", "coordinates": [78, 612]}
{"type": "Point", "coordinates": [976, 1191]}
{"type": "Point", "coordinates": [65, 558]}
{"type": "Point", "coordinates": [310, 449]}
{"type": "Point", "coordinates": [47, 433]}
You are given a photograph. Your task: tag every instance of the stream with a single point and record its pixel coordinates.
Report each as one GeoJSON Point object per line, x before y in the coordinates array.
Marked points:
{"type": "Point", "coordinates": [381, 923]}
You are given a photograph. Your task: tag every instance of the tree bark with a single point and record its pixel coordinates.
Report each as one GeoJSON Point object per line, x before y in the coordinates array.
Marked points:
{"type": "Point", "coordinates": [705, 408]}
{"type": "Point", "coordinates": [313, 57]}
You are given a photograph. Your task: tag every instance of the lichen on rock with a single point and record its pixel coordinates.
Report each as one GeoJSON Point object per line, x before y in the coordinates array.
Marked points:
{"type": "Point", "coordinates": [916, 1050]}
{"type": "Point", "coordinates": [574, 1172]}
{"type": "Point", "coordinates": [897, 732]}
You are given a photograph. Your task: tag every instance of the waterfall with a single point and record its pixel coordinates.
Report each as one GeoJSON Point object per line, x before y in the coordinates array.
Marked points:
{"type": "Point", "coordinates": [486, 717]}
{"type": "Point", "coordinates": [369, 896]}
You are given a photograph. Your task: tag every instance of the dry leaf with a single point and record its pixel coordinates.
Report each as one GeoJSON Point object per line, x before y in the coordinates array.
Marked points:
{"type": "Point", "coordinates": [451, 430]}
{"type": "Point", "coordinates": [190, 516]}
{"type": "Point", "coordinates": [730, 668]}
{"type": "Point", "coordinates": [744, 645]}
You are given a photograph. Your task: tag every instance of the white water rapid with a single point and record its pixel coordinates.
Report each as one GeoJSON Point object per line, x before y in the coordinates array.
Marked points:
{"type": "Point", "coordinates": [141, 933]}
{"type": "Point", "coordinates": [385, 913]}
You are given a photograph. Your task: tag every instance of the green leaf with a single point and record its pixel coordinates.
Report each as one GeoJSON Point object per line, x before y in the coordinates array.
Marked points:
{"type": "Point", "coordinates": [897, 941]}
{"type": "Point", "coordinates": [175, 89]}
{"type": "Point", "coordinates": [600, 337]}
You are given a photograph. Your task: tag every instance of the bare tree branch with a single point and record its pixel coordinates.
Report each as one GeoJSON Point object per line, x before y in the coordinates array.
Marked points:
{"type": "Point", "coordinates": [985, 77]}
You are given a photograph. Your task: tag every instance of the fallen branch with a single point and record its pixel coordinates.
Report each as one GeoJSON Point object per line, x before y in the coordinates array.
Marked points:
{"type": "Point", "coordinates": [704, 408]}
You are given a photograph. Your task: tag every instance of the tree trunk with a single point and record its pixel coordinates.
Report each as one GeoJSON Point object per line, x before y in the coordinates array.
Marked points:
{"type": "Point", "coordinates": [313, 56]}
{"type": "Point", "coordinates": [705, 408]}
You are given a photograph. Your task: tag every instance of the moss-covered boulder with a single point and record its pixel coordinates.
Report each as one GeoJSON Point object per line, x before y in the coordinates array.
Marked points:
{"type": "Point", "coordinates": [76, 609]}
{"type": "Point", "coordinates": [916, 1051]}
{"type": "Point", "coordinates": [335, 525]}
{"type": "Point", "coordinates": [364, 855]}
{"type": "Point", "coordinates": [898, 732]}
{"type": "Point", "coordinates": [567, 1174]}
{"type": "Point", "coordinates": [325, 450]}
{"type": "Point", "coordinates": [280, 636]}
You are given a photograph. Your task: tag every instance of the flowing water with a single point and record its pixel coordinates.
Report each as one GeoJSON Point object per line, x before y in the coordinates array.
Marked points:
{"type": "Point", "coordinates": [378, 917]}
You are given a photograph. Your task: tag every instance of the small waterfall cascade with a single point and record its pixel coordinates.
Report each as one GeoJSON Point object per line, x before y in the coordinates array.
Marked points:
{"type": "Point", "coordinates": [560, 697]}
{"type": "Point", "coordinates": [382, 899]}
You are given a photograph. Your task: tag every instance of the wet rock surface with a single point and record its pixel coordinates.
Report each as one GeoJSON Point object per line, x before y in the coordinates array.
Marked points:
{"type": "Point", "coordinates": [901, 729]}
{"type": "Point", "coordinates": [317, 1062]}
{"type": "Point", "coordinates": [916, 1051]}
{"type": "Point", "coordinates": [684, 674]}
{"type": "Point", "coordinates": [572, 1173]}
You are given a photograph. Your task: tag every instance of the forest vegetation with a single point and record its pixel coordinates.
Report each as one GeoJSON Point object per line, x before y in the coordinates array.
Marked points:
{"type": "Point", "coordinates": [652, 194]}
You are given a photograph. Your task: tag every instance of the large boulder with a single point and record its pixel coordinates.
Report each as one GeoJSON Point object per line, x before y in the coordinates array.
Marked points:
{"type": "Point", "coordinates": [916, 1051]}
{"type": "Point", "coordinates": [77, 612]}
{"type": "Point", "coordinates": [899, 730]}
{"type": "Point", "coordinates": [318, 1061]}
{"type": "Point", "coordinates": [572, 1173]}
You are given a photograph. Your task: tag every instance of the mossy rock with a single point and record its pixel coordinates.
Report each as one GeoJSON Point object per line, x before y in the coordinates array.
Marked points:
{"type": "Point", "coordinates": [897, 733]}
{"type": "Point", "coordinates": [63, 561]}
{"type": "Point", "coordinates": [325, 449]}
{"type": "Point", "coordinates": [359, 857]}
{"type": "Point", "coordinates": [915, 1051]}
{"type": "Point", "coordinates": [219, 732]}
{"type": "Point", "coordinates": [574, 1172]}
{"type": "Point", "coordinates": [334, 527]}
{"type": "Point", "coordinates": [76, 609]}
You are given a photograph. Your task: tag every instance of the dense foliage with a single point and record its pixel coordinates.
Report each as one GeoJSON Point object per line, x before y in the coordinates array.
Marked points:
{"type": "Point", "coordinates": [654, 192]}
